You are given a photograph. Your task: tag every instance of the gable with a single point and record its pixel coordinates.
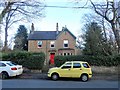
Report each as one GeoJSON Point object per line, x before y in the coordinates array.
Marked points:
{"type": "Point", "coordinates": [65, 30]}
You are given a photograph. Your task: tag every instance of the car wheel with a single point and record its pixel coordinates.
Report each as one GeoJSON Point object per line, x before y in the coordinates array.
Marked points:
{"type": "Point", "coordinates": [84, 78]}
{"type": "Point", "coordinates": [55, 77]}
{"type": "Point", "coordinates": [5, 75]}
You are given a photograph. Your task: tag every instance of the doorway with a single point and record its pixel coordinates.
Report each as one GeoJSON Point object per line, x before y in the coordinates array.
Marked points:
{"type": "Point", "coordinates": [52, 56]}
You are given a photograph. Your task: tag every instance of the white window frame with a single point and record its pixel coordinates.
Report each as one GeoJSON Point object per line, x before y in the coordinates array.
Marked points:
{"type": "Point", "coordinates": [65, 42]}
{"type": "Point", "coordinates": [52, 43]}
{"type": "Point", "coordinates": [39, 43]}
{"type": "Point", "coordinates": [65, 54]}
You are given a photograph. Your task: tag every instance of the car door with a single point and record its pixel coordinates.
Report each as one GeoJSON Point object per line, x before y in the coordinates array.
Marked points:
{"type": "Point", "coordinates": [76, 70]}
{"type": "Point", "coordinates": [2, 67]}
{"type": "Point", "coordinates": [65, 70]}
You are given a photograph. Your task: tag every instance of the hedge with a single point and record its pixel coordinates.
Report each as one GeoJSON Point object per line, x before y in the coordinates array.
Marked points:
{"type": "Point", "coordinates": [92, 60]}
{"type": "Point", "coordinates": [27, 59]}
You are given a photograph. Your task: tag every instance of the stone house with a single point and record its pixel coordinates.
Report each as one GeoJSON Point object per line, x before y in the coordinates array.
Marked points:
{"type": "Point", "coordinates": [52, 43]}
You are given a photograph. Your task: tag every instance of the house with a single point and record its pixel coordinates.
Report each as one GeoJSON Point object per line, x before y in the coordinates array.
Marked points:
{"type": "Point", "coordinates": [52, 43]}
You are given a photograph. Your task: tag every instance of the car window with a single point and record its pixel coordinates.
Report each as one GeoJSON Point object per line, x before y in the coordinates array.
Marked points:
{"type": "Point", "coordinates": [67, 65]}
{"type": "Point", "coordinates": [10, 64]}
{"type": "Point", "coordinates": [85, 65]}
{"type": "Point", "coordinates": [14, 63]}
{"type": "Point", "coordinates": [2, 65]}
{"type": "Point", "coordinates": [76, 65]}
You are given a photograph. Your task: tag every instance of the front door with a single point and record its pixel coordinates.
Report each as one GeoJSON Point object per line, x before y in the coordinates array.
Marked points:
{"type": "Point", "coordinates": [52, 55]}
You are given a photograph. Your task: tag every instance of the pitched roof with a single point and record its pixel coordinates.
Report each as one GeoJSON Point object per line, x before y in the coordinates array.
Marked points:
{"type": "Point", "coordinates": [47, 35]}
{"type": "Point", "coordinates": [43, 35]}
{"type": "Point", "coordinates": [64, 30]}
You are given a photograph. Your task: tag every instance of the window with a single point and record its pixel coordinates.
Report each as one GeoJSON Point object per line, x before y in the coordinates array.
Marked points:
{"type": "Point", "coordinates": [10, 64]}
{"type": "Point", "coordinates": [60, 54]}
{"type": "Point", "coordinates": [52, 44]}
{"type": "Point", "coordinates": [67, 65]}
{"type": "Point", "coordinates": [65, 43]}
{"type": "Point", "coordinates": [68, 53]}
{"type": "Point", "coordinates": [85, 65]}
{"type": "Point", "coordinates": [65, 54]}
{"type": "Point", "coordinates": [39, 44]}
{"type": "Point", "coordinates": [76, 65]}
{"type": "Point", "coordinates": [2, 65]}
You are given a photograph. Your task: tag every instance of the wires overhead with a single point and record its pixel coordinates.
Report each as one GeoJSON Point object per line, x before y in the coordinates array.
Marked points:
{"type": "Point", "coordinates": [66, 7]}
{"type": "Point", "coordinates": [77, 7]}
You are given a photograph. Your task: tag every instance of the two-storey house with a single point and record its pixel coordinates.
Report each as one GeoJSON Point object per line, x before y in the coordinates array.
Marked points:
{"type": "Point", "coordinates": [52, 43]}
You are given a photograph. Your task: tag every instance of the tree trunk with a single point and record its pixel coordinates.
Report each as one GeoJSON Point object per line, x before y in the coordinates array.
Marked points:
{"type": "Point", "coordinates": [6, 42]}
{"type": "Point", "coordinates": [117, 36]}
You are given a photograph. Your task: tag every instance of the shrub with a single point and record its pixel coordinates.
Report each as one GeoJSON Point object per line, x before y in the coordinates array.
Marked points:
{"type": "Point", "coordinates": [35, 61]}
{"type": "Point", "coordinates": [92, 60]}
{"type": "Point", "coordinates": [27, 59]}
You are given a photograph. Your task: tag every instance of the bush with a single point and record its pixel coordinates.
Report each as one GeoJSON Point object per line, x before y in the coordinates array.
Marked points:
{"type": "Point", "coordinates": [27, 59]}
{"type": "Point", "coordinates": [92, 60]}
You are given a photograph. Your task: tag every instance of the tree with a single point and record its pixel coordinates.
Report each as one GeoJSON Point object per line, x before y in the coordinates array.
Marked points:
{"type": "Point", "coordinates": [110, 14]}
{"type": "Point", "coordinates": [21, 42]}
{"type": "Point", "coordinates": [16, 10]}
{"type": "Point", "coordinates": [1, 44]}
{"type": "Point", "coordinates": [94, 40]}
{"type": "Point", "coordinates": [110, 11]}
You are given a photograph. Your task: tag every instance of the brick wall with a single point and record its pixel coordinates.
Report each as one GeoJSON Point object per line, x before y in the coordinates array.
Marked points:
{"type": "Point", "coordinates": [33, 47]}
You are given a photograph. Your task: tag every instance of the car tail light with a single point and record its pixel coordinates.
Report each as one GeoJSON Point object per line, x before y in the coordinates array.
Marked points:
{"type": "Point", "coordinates": [14, 68]}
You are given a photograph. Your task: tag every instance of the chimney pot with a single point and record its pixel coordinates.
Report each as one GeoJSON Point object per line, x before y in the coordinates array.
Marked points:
{"type": "Point", "coordinates": [32, 27]}
{"type": "Point", "coordinates": [56, 28]}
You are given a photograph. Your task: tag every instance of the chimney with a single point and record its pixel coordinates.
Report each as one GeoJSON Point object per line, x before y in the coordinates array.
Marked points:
{"type": "Point", "coordinates": [32, 27]}
{"type": "Point", "coordinates": [56, 28]}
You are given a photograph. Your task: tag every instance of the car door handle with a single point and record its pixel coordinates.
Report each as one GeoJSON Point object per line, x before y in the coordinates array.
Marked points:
{"type": "Point", "coordinates": [80, 69]}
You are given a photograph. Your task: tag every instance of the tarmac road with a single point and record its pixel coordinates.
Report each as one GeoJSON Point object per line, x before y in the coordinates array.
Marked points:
{"type": "Point", "coordinates": [40, 83]}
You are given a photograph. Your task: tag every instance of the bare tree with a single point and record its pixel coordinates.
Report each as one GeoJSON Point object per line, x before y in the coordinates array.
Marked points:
{"type": "Point", "coordinates": [108, 11]}
{"type": "Point", "coordinates": [101, 21]}
{"type": "Point", "coordinates": [15, 10]}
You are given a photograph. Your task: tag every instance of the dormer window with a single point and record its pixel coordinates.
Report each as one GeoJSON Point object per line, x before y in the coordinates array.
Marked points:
{"type": "Point", "coordinates": [39, 44]}
{"type": "Point", "coordinates": [52, 44]}
{"type": "Point", "coordinates": [65, 43]}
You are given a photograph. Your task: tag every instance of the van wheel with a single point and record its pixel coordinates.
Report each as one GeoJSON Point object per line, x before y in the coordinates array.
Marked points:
{"type": "Point", "coordinates": [84, 77]}
{"type": "Point", "coordinates": [5, 75]}
{"type": "Point", "coordinates": [55, 77]}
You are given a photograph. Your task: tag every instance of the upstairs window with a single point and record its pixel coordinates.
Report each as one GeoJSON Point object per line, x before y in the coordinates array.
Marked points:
{"type": "Point", "coordinates": [65, 43]}
{"type": "Point", "coordinates": [52, 44]}
{"type": "Point", "coordinates": [39, 44]}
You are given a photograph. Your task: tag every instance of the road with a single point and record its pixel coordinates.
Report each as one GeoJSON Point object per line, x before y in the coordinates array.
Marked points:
{"type": "Point", "coordinates": [39, 83]}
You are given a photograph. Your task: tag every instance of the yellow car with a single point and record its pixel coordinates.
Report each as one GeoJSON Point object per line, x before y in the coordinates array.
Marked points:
{"type": "Point", "coordinates": [71, 69]}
